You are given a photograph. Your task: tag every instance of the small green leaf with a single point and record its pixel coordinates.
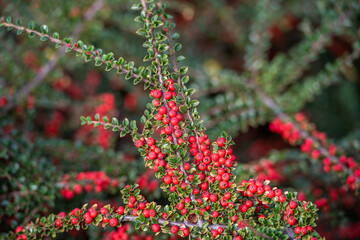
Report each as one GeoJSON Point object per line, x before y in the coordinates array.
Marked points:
{"type": "Point", "coordinates": [177, 46]}
{"type": "Point", "coordinates": [183, 70]}
{"type": "Point", "coordinates": [44, 29]}
{"type": "Point", "coordinates": [137, 80]}
{"type": "Point", "coordinates": [142, 32]}
{"type": "Point", "coordinates": [115, 121]}
{"type": "Point", "coordinates": [8, 19]}
{"type": "Point", "coordinates": [44, 38]}
{"type": "Point", "coordinates": [185, 79]}
{"type": "Point", "coordinates": [137, 6]}
{"type": "Point", "coordinates": [180, 58]}
{"type": "Point", "coordinates": [175, 35]}
{"type": "Point", "coordinates": [31, 25]}
{"type": "Point", "coordinates": [125, 122]}
{"type": "Point", "coordinates": [194, 103]}
{"type": "Point", "coordinates": [183, 109]}
{"type": "Point", "coordinates": [56, 35]}
{"type": "Point", "coordinates": [109, 66]}
{"type": "Point", "coordinates": [190, 91]}
{"type": "Point", "coordinates": [32, 34]}
{"type": "Point", "coordinates": [133, 124]}
{"type": "Point", "coordinates": [129, 75]}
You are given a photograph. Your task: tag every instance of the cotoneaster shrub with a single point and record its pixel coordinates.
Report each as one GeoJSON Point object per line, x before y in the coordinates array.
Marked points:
{"type": "Point", "coordinates": [206, 198]}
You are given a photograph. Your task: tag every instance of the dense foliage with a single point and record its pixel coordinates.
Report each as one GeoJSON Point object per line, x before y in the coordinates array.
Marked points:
{"type": "Point", "coordinates": [254, 65]}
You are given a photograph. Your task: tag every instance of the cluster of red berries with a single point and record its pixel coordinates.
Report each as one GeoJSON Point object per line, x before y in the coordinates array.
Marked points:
{"type": "Point", "coordinates": [256, 188]}
{"type": "Point", "coordinates": [108, 105]}
{"type": "Point", "coordinates": [317, 147]}
{"type": "Point", "coordinates": [124, 233]}
{"type": "Point", "coordinates": [266, 169]}
{"type": "Point", "coordinates": [88, 181]}
{"type": "Point", "coordinates": [19, 230]}
{"type": "Point", "coordinates": [206, 160]}
{"type": "Point", "coordinates": [169, 116]}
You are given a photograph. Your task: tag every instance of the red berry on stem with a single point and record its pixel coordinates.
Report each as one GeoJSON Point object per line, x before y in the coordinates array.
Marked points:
{"type": "Point", "coordinates": [174, 229]}
{"type": "Point", "coordinates": [155, 227]}
{"type": "Point", "coordinates": [114, 222]}
{"type": "Point", "coordinates": [293, 204]}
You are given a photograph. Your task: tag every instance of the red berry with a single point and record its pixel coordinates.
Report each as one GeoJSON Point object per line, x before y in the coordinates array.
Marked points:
{"type": "Point", "coordinates": [282, 198]}
{"type": "Point", "coordinates": [271, 194]}
{"type": "Point", "coordinates": [291, 220]}
{"type": "Point", "coordinates": [74, 221]}
{"type": "Point", "coordinates": [121, 210]}
{"type": "Point", "coordinates": [192, 139]}
{"type": "Point", "coordinates": [167, 179]}
{"type": "Point", "coordinates": [155, 227]}
{"type": "Point", "coordinates": [202, 166]}
{"type": "Point", "coordinates": [204, 185]}
{"type": "Point", "coordinates": [215, 214]}
{"type": "Point", "coordinates": [244, 208]}
{"type": "Point", "coordinates": [199, 156]}
{"type": "Point", "coordinates": [260, 190]}
{"type": "Point", "coordinates": [278, 192]}
{"type": "Point", "coordinates": [168, 130]}
{"type": "Point", "coordinates": [253, 188]}
{"type": "Point", "coordinates": [114, 222]}
{"type": "Point", "coordinates": [105, 219]}
{"type": "Point", "coordinates": [132, 199]}
{"type": "Point", "coordinates": [178, 133]}
{"type": "Point", "coordinates": [221, 142]}
{"type": "Point", "coordinates": [223, 185]}
{"type": "Point", "coordinates": [186, 232]}
{"type": "Point", "coordinates": [58, 223]}
{"type": "Point", "coordinates": [187, 166]}
{"type": "Point", "coordinates": [174, 229]}
{"type": "Point", "coordinates": [146, 213]}
{"type": "Point", "coordinates": [150, 141]}
{"type": "Point", "coordinates": [76, 212]}
{"type": "Point", "coordinates": [249, 203]}
{"type": "Point", "coordinates": [213, 198]}
{"type": "Point", "coordinates": [226, 177]}
{"type": "Point", "coordinates": [184, 211]}
{"type": "Point", "coordinates": [141, 205]}
{"type": "Point", "coordinates": [214, 233]}
{"type": "Point", "coordinates": [293, 204]}
{"type": "Point", "coordinates": [180, 205]}
{"type": "Point", "coordinates": [135, 212]}
{"type": "Point", "coordinates": [227, 195]}
{"type": "Point", "coordinates": [156, 93]}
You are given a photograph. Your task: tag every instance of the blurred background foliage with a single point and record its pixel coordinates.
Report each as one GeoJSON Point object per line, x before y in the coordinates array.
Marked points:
{"type": "Point", "coordinates": [301, 54]}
